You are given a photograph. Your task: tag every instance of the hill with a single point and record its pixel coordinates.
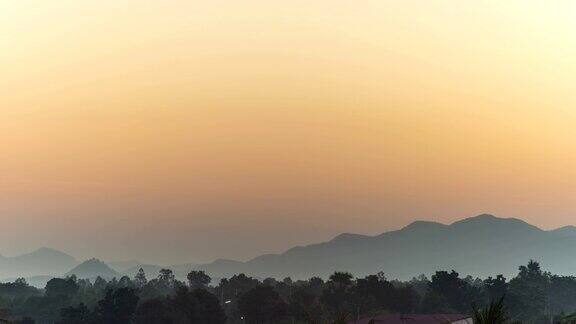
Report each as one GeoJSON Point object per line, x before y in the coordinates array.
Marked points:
{"type": "Point", "coordinates": [151, 270]}
{"type": "Point", "coordinates": [122, 266]}
{"type": "Point", "coordinates": [42, 262]}
{"type": "Point", "coordinates": [92, 269]}
{"type": "Point", "coordinates": [484, 245]}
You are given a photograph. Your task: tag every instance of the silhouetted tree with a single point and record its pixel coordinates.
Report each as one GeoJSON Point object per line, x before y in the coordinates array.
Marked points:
{"type": "Point", "coordinates": [230, 289]}
{"type": "Point", "coordinates": [420, 284]}
{"type": "Point", "coordinates": [261, 305]}
{"type": "Point", "coordinates": [75, 315]}
{"type": "Point", "coordinates": [528, 292]}
{"type": "Point", "coordinates": [153, 311]}
{"type": "Point", "coordinates": [493, 314]}
{"type": "Point", "coordinates": [17, 289]}
{"type": "Point", "coordinates": [304, 305]}
{"type": "Point", "coordinates": [341, 279]}
{"type": "Point", "coordinates": [562, 294]}
{"type": "Point", "coordinates": [208, 310]}
{"type": "Point", "coordinates": [117, 307]}
{"type": "Point", "coordinates": [338, 297]}
{"type": "Point", "coordinates": [198, 279]}
{"type": "Point", "coordinates": [198, 306]}
{"type": "Point", "coordinates": [140, 278]}
{"type": "Point", "coordinates": [458, 293]}
{"type": "Point", "coordinates": [166, 275]}
{"type": "Point", "coordinates": [125, 282]}
{"type": "Point", "coordinates": [434, 302]}
{"type": "Point", "coordinates": [496, 288]}
{"type": "Point", "coordinates": [405, 299]}
{"type": "Point", "coordinates": [100, 284]}
{"type": "Point", "coordinates": [62, 288]}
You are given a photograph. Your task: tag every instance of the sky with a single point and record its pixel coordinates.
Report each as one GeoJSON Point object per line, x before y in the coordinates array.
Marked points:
{"type": "Point", "coordinates": [183, 131]}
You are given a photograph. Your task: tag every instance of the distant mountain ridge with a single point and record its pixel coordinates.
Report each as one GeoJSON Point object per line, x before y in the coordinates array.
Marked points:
{"type": "Point", "coordinates": [44, 261]}
{"type": "Point", "coordinates": [483, 245]}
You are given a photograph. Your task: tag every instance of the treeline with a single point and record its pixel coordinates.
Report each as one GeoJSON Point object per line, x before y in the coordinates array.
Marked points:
{"type": "Point", "coordinates": [533, 296]}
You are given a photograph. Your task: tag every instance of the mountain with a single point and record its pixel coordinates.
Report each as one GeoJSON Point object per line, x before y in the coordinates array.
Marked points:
{"type": "Point", "coordinates": [122, 266]}
{"type": "Point", "coordinates": [483, 246]}
{"type": "Point", "coordinates": [42, 262]}
{"type": "Point", "coordinates": [151, 270]}
{"type": "Point", "coordinates": [182, 270]}
{"type": "Point", "coordinates": [92, 269]}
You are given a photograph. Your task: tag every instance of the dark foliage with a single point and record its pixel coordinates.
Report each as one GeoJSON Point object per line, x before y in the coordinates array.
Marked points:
{"type": "Point", "coordinates": [533, 296]}
{"type": "Point", "coordinates": [261, 305]}
{"type": "Point", "coordinates": [117, 307]}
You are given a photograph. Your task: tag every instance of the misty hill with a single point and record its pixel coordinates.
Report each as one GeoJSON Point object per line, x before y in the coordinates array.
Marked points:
{"type": "Point", "coordinates": [92, 269]}
{"type": "Point", "coordinates": [151, 270]}
{"type": "Point", "coordinates": [122, 266]}
{"type": "Point", "coordinates": [483, 245]}
{"type": "Point", "coordinates": [44, 261]}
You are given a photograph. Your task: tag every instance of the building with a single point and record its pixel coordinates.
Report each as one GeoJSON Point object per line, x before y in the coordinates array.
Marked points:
{"type": "Point", "coordinates": [416, 319]}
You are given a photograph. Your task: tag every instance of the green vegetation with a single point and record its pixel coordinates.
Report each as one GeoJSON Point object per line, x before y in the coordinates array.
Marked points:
{"type": "Point", "coordinates": [533, 296]}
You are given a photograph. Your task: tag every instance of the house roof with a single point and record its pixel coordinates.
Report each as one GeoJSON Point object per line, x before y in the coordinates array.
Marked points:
{"type": "Point", "coordinates": [412, 318]}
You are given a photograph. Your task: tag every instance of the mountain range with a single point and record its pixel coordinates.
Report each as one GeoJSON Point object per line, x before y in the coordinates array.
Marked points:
{"type": "Point", "coordinates": [482, 246]}
{"type": "Point", "coordinates": [43, 261]}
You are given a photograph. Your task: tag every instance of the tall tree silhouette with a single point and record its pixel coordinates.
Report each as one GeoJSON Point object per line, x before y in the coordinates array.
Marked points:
{"type": "Point", "coordinates": [198, 279]}
{"type": "Point", "coordinates": [117, 307]}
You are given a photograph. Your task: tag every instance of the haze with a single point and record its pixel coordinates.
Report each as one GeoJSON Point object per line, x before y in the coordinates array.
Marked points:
{"type": "Point", "coordinates": [178, 131]}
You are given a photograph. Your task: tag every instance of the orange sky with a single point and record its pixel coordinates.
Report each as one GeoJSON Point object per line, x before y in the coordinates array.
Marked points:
{"type": "Point", "coordinates": [173, 131]}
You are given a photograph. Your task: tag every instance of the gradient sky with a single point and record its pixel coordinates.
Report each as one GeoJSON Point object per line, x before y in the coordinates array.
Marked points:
{"type": "Point", "coordinates": [175, 131]}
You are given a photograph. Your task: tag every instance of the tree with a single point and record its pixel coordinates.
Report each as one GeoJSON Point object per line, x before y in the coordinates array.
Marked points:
{"type": "Point", "coordinates": [372, 293]}
{"type": "Point", "coordinates": [304, 305]}
{"type": "Point", "coordinates": [75, 315]}
{"type": "Point", "coordinates": [58, 287]}
{"type": "Point", "coordinates": [17, 289]}
{"type": "Point", "coordinates": [125, 282]}
{"type": "Point", "coordinates": [231, 289]}
{"type": "Point", "coordinates": [528, 292]}
{"type": "Point", "coordinates": [420, 284]}
{"type": "Point", "coordinates": [183, 305]}
{"type": "Point", "coordinates": [100, 284]}
{"type": "Point", "coordinates": [153, 311]}
{"type": "Point", "coordinates": [434, 302]}
{"type": "Point", "coordinates": [562, 297]}
{"type": "Point", "coordinates": [405, 299]}
{"type": "Point", "coordinates": [198, 306]}
{"type": "Point", "coordinates": [198, 279]}
{"type": "Point", "coordinates": [208, 309]}
{"type": "Point", "coordinates": [341, 279]}
{"type": "Point", "coordinates": [457, 292]}
{"type": "Point", "coordinates": [338, 297]}
{"type": "Point", "coordinates": [495, 288]}
{"type": "Point", "coordinates": [166, 275]}
{"type": "Point", "coordinates": [117, 307]}
{"type": "Point", "coordinates": [140, 278]}
{"type": "Point", "coordinates": [166, 278]}
{"type": "Point", "coordinates": [261, 305]}
{"type": "Point", "coordinates": [492, 314]}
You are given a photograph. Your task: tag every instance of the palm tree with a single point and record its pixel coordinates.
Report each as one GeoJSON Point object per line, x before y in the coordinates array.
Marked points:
{"type": "Point", "coordinates": [493, 314]}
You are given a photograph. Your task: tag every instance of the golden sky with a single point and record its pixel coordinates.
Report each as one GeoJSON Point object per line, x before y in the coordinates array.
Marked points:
{"type": "Point", "coordinates": [187, 130]}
